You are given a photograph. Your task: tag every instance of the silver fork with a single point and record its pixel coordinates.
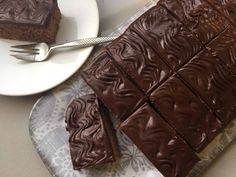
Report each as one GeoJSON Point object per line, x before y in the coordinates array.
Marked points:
{"type": "Point", "coordinates": [41, 51]}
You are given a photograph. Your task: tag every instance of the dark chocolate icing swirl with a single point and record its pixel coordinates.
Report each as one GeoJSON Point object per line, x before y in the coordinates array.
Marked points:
{"type": "Point", "coordinates": [89, 144]}
{"type": "Point", "coordinates": [25, 11]}
{"type": "Point", "coordinates": [116, 91]}
{"type": "Point", "coordinates": [199, 17]}
{"type": "Point", "coordinates": [224, 47]}
{"type": "Point", "coordinates": [226, 7]}
{"type": "Point", "coordinates": [213, 82]}
{"type": "Point", "coordinates": [159, 142]}
{"type": "Point", "coordinates": [139, 60]}
{"type": "Point", "coordinates": [184, 111]}
{"type": "Point", "coordinates": [168, 37]}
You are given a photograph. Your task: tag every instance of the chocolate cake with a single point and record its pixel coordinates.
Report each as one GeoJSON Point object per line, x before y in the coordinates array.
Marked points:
{"type": "Point", "coordinates": [185, 112]}
{"type": "Point", "coordinates": [112, 87]}
{"type": "Point", "coordinates": [29, 20]}
{"type": "Point", "coordinates": [159, 142]}
{"type": "Point", "coordinates": [170, 80]}
{"type": "Point", "coordinates": [92, 138]}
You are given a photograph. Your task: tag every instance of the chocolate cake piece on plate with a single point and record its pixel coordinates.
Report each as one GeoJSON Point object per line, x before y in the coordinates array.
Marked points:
{"type": "Point", "coordinates": [92, 137]}
{"type": "Point", "coordinates": [29, 20]}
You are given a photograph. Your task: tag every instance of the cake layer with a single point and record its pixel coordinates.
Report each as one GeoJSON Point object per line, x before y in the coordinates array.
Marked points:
{"type": "Point", "coordinates": [88, 125]}
{"type": "Point", "coordinates": [119, 94]}
{"type": "Point", "coordinates": [159, 142]}
{"type": "Point", "coordinates": [38, 28]}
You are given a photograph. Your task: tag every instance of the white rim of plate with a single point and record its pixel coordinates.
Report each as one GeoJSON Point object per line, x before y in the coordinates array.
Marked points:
{"type": "Point", "coordinates": [90, 49]}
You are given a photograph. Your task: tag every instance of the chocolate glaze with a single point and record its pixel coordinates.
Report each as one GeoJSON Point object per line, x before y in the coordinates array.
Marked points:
{"type": "Point", "coordinates": [89, 145]}
{"type": "Point", "coordinates": [198, 16]}
{"type": "Point", "coordinates": [139, 61]}
{"type": "Point", "coordinates": [186, 112]}
{"type": "Point", "coordinates": [226, 7]}
{"type": "Point", "coordinates": [197, 43]}
{"type": "Point", "coordinates": [224, 47]}
{"type": "Point", "coordinates": [210, 79]}
{"type": "Point", "coordinates": [159, 142]}
{"type": "Point", "coordinates": [168, 37]}
{"type": "Point", "coordinates": [26, 11]}
{"type": "Point", "coordinates": [119, 95]}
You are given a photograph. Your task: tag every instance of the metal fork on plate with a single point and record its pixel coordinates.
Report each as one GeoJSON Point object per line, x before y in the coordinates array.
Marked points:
{"type": "Point", "coordinates": [41, 51]}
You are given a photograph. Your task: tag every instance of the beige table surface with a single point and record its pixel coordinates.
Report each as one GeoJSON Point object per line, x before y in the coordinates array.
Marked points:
{"type": "Point", "coordinates": [18, 157]}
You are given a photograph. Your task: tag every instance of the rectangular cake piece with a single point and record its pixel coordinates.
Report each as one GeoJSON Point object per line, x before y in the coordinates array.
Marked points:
{"type": "Point", "coordinates": [213, 82]}
{"type": "Point", "coordinates": [116, 91]}
{"type": "Point", "coordinates": [159, 142]}
{"type": "Point", "coordinates": [167, 36]}
{"type": "Point", "coordinates": [35, 20]}
{"type": "Point", "coordinates": [198, 16]}
{"type": "Point", "coordinates": [186, 113]}
{"type": "Point", "coordinates": [142, 64]}
{"type": "Point", "coordinates": [92, 137]}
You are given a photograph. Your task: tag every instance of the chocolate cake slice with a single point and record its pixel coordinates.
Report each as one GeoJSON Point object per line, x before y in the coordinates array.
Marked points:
{"type": "Point", "coordinates": [29, 20]}
{"type": "Point", "coordinates": [159, 142]}
{"type": "Point", "coordinates": [92, 138]}
{"type": "Point", "coordinates": [187, 113]}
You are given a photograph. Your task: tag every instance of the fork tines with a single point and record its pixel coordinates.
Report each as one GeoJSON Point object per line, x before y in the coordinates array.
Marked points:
{"type": "Point", "coordinates": [24, 52]}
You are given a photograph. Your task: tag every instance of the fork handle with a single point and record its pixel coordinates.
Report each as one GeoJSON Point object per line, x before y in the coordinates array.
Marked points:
{"type": "Point", "coordinates": [82, 43]}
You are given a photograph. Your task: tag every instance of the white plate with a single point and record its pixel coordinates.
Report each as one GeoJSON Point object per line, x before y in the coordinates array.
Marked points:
{"type": "Point", "coordinates": [80, 19]}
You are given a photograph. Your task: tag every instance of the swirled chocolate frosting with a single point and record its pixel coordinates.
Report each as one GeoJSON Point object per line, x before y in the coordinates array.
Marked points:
{"type": "Point", "coordinates": [186, 112]}
{"type": "Point", "coordinates": [117, 92]}
{"type": "Point", "coordinates": [89, 141]}
{"type": "Point", "coordinates": [26, 11]}
{"type": "Point", "coordinates": [159, 142]}
{"type": "Point", "coordinates": [179, 58]}
{"type": "Point", "coordinates": [226, 7]}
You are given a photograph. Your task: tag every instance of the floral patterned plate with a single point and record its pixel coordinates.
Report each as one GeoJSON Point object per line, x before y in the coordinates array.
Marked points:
{"type": "Point", "coordinates": [48, 133]}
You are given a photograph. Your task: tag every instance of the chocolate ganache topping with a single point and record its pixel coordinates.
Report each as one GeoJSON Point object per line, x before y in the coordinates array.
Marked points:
{"type": "Point", "coordinates": [89, 143]}
{"type": "Point", "coordinates": [25, 11]}
{"type": "Point", "coordinates": [170, 79]}
{"type": "Point", "coordinates": [159, 142]}
{"type": "Point", "coordinates": [139, 61]}
{"type": "Point", "coordinates": [111, 85]}
{"type": "Point", "coordinates": [198, 16]}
